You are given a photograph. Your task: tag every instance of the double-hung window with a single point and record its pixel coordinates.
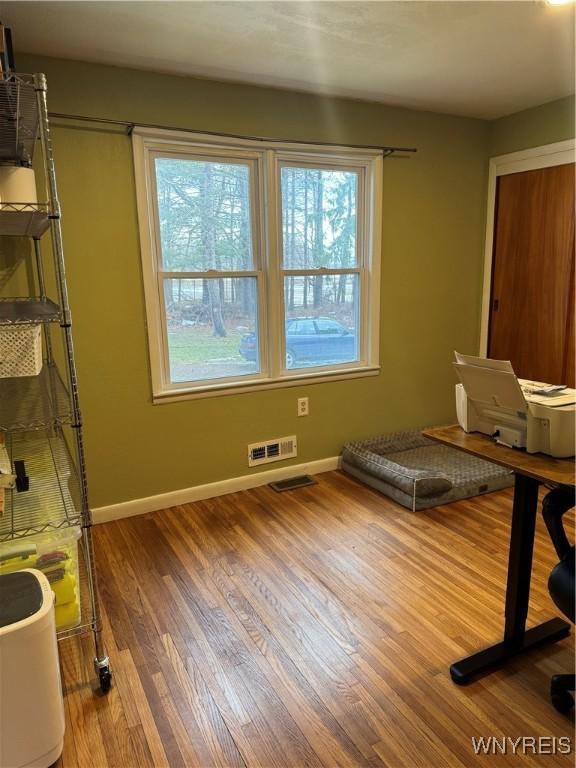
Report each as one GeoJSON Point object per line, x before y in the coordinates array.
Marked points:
{"type": "Point", "coordinates": [261, 265]}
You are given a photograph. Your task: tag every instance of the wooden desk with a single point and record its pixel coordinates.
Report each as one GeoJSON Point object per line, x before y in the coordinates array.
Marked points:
{"type": "Point", "coordinates": [530, 470]}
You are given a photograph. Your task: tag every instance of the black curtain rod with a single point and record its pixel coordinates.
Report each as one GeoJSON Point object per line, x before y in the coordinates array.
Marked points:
{"type": "Point", "coordinates": [130, 127]}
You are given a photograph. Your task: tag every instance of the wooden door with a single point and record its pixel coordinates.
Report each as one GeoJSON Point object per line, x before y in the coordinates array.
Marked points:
{"type": "Point", "coordinates": [570, 353]}
{"type": "Point", "coordinates": [532, 301]}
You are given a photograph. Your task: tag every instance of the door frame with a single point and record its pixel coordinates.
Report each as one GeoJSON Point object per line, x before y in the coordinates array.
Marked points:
{"type": "Point", "coordinates": [546, 156]}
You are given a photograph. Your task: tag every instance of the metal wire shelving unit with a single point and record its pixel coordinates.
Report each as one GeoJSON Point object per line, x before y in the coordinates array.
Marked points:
{"type": "Point", "coordinates": [52, 501]}
{"type": "Point", "coordinates": [19, 118]}
{"type": "Point", "coordinates": [34, 402]}
{"type": "Point", "coordinates": [24, 219]}
{"type": "Point", "coordinates": [40, 415]}
{"type": "Point", "coordinates": [19, 310]}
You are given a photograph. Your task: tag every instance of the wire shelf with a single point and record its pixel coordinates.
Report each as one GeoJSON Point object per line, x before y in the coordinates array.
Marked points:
{"type": "Point", "coordinates": [34, 402]}
{"type": "Point", "coordinates": [23, 219]}
{"type": "Point", "coordinates": [51, 502]}
{"type": "Point", "coordinates": [19, 122]}
{"type": "Point", "coordinates": [87, 618]}
{"type": "Point", "coordinates": [19, 311]}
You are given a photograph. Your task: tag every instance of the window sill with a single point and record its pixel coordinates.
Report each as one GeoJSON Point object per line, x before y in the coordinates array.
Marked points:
{"type": "Point", "coordinates": [237, 388]}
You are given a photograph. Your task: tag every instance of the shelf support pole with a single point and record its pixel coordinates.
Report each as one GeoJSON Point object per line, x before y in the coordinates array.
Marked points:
{"type": "Point", "coordinates": [40, 87]}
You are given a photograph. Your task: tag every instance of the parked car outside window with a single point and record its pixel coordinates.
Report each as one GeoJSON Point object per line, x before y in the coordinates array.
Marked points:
{"type": "Point", "coordinates": [310, 341]}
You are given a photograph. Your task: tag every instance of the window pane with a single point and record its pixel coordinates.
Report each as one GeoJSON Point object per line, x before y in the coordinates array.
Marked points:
{"type": "Point", "coordinates": [204, 212]}
{"type": "Point", "coordinates": [322, 326]}
{"type": "Point", "coordinates": [212, 328]}
{"type": "Point", "coordinates": [318, 218]}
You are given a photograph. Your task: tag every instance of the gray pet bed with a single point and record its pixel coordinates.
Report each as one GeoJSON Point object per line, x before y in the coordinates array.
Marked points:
{"type": "Point", "coordinates": [419, 473]}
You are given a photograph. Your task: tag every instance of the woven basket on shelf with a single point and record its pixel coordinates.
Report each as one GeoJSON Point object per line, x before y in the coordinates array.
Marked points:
{"type": "Point", "coordinates": [20, 351]}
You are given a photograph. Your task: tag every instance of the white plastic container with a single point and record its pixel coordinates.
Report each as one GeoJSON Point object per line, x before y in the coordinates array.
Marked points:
{"type": "Point", "coordinates": [17, 185]}
{"type": "Point", "coordinates": [20, 351]}
{"type": "Point", "coordinates": [30, 691]}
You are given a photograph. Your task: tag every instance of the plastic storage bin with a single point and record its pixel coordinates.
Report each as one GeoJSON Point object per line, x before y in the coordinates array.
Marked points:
{"type": "Point", "coordinates": [30, 691]}
{"type": "Point", "coordinates": [55, 554]}
{"type": "Point", "coordinates": [20, 351]}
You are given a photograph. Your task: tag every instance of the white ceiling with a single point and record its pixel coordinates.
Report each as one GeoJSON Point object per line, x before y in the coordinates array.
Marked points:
{"type": "Point", "coordinates": [482, 59]}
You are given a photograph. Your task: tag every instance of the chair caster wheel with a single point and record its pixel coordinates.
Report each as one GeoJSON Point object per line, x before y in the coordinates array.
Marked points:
{"type": "Point", "coordinates": [563, 702]}
{"type": "Point", "coordinates": [105, 679]}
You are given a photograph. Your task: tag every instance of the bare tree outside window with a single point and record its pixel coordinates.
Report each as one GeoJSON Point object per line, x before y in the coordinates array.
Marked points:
{"type": "Point", "coordinates": [319, 225]}
{"type": "Point", "coordinates": [205, 229]}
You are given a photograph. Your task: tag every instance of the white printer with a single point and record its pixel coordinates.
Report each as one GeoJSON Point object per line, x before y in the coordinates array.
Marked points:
{"type": "Point", "coordinates": [518, 413]}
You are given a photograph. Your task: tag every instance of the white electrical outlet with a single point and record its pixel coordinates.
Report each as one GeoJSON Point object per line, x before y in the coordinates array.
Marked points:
{"type": "Point", "coordinates": [303, 409]}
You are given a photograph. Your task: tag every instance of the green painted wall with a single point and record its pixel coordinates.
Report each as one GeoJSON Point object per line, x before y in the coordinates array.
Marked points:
{"type": "Point", "coordinates": [433, 227]}
{"type": "Point", "coordinates": [534, 127]}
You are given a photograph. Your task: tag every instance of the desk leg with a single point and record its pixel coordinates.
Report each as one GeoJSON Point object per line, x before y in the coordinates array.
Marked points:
{"type": "Point", "coordinates": [516, 638]}
{"type": "Point", "coordinates": [523, 529]}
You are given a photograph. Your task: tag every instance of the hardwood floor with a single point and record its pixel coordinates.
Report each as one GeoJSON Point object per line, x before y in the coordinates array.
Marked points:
{"type": "Point", "coordinates": [310, 628]}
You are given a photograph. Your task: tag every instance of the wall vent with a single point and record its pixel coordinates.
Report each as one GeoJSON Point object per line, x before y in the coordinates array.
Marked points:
{"type": "Point", "coordinates": [272, 450]}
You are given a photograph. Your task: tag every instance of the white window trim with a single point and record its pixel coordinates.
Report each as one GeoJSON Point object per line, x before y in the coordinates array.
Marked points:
{"type": "Point", "coordinates": [268, 156]}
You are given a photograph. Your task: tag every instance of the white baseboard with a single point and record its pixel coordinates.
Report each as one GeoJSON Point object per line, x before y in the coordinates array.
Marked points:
{"type": "Point", "coordinates": [210, 490]}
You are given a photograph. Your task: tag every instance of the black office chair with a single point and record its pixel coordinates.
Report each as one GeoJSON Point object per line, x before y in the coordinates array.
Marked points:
{"type": "Point", "coordinates": [561, 581]}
